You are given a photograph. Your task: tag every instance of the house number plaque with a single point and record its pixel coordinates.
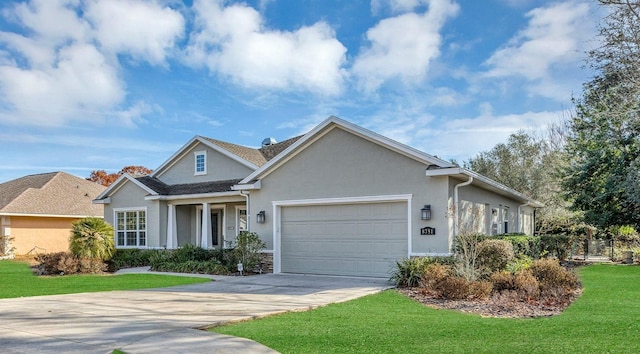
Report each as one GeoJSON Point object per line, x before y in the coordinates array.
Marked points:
{"type": "Point", "coordinates": [428, 231]}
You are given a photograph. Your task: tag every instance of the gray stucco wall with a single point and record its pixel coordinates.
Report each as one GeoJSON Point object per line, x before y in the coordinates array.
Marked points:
{"type": "Point", "coordinates": [219, 167]}
{"type": "Point", "coordinates": [341, 164]}
{"type": "Point", "coordinates": [132, 197]}
{"type": "Point", "coordinates": [484, 201]}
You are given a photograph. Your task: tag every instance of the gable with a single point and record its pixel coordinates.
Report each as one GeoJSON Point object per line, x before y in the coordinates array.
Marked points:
{"type": "Point", "coordinates": [219, 166]}
{"type": "Point", "coordinates": [343, 164]}
{"type": "Point", "coordinates": [327, 126]}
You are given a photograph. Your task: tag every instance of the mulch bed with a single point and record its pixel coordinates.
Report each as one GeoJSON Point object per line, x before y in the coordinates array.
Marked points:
{"type": "Point", "coordinates": [498, 305]}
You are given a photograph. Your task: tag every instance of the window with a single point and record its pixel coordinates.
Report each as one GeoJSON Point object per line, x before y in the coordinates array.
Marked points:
{"type": "Point", "coordinates": [505, 220]}
{"type": "Point", "coordinates": [200, 162]}
{"type": "Point", "coordinates": [242, 219]}
{"type": "Point", "coordinates": [131, 228]}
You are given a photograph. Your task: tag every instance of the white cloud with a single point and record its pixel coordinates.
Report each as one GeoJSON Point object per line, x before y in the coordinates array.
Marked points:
{"type": "Point", "coordinates": [233, 42]}
{"type": "Point", "coordinates": [402, 47]}
{"type": "Point", "coordinates": [462, 139]}
{"type": "Point", "coordinates": [396, 6]}
{"type": "Point", "coordinates": [79, 83]}
{"type": "Point", "coordinates": [65, 67]}
{"type": "Point", "coordinates": [145, 30]}
{"type": "Point", "coordinates": [545, 53]}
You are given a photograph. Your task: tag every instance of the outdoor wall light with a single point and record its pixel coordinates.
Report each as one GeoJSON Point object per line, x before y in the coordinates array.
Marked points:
{"type": "Point", "coordinates": [261, 217]}
{"type": "Point", "coordinates": [426, 212]}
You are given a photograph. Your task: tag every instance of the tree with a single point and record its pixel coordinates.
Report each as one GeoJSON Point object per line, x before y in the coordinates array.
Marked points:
{"type": "Point", "coordinates": [601, 179]}
{"type": "Point", "coordinates": [528, 164]}
{"type": "Point", "coordinates": [92, 238]}
{"type": "Point", "coordinates": [106, 179]}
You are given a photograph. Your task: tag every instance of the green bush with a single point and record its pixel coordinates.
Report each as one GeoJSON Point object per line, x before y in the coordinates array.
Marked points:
{"type": "Point", "coordinates": [92, 238]}
{"type": "Point", "coordinates": [558, 246]}
{"type": "Point", "coordinates": [523, 244]}
{"type": "Point", "coordinates": [519, 263]}
{"type": "Point", "coordinates": [494, 255]}
{"type": "Point", "coordinates": [247, 251]}
{"type": "Point", "coordinates": [409, 271]}
{"type": "Point", "coordinates": [130, 257]}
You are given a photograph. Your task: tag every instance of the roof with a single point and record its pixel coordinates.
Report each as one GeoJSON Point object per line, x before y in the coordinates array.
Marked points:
{"type": "Point", "coordinates": [162, 188]}
{"type": "Point", "coordinates": [483, 182]}
{"type": "Point", "coordinates": [51, 194]}
{"type": "Point", "coordinates": [301, 142]}
{"type": "Point", "coordinates": [248, 156]}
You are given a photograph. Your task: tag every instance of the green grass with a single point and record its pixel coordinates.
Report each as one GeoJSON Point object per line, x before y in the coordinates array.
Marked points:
{"type": "Point", "coordinates": [605, 319]}
{"type": "Point", "coordinates": [17, 281]}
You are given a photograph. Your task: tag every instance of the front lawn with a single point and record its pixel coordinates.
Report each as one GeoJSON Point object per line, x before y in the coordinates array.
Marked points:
{"type": "Point", "coordinates": [17, 280]}
{"type": "Point", "coordinates": [603, 320]}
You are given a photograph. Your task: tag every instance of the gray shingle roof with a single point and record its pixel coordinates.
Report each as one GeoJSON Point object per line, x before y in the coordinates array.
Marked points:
{"type": "Point", "coordinates": [187, 188]}
{"type": "Point", "coordinates": [54, 193]}
{"type": "Point", "coordinates": [257, 157]}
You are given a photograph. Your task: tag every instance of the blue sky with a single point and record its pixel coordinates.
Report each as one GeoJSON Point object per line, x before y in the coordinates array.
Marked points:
{"type": "Point", "coordinates": [102, 84]}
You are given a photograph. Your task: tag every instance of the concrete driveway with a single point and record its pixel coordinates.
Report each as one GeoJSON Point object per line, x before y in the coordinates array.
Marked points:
{"type": "Point", "coordinates": [166, 320]}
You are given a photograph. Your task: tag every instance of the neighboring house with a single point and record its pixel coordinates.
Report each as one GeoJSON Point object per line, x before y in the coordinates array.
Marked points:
{"type": "Point", "coordinates": [338, 200]}
{"type": "Point", "coordinates": [36, 211]}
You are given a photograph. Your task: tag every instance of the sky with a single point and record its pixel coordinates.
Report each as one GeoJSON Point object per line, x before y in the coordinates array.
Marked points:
{"type": "Point", "coordinates": [102, 84]}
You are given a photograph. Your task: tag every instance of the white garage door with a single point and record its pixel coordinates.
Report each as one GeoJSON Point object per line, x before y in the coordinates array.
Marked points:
{"type": "Point", "coordinates": [343, 239]}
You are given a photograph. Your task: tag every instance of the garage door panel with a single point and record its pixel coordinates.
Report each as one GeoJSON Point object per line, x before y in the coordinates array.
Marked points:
{"type": "Point", "coordinates": [349, 239]}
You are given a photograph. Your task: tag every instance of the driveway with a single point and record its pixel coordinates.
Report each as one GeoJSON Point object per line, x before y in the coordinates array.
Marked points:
{"type": "Point", "coordinates": [166, 320]}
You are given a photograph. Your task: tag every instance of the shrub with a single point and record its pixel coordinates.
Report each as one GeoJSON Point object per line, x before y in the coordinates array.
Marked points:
{"type": "Point", "coordinates": [458, 288]}
{"type": "Point", "coordinates": [526, 285]}
{"type": "Point", "coordinates": [91, 266]}
{"type": "Point", "coordinates": [480, 289]}
{"type": "Point", "coordinates": [523, 245]}
{"type": "Point", "coordinates": [130, 257]}
{"type": "Point", "coordinates": [409, 271]}
{"type": "Point", "coordinates": [556, 245]}
{"type": "Point", "coordinates": [247, 250]}
{"type": "Point", "coordinates": [92, 238]}
{"type": "Point", "coordinates": [501, 281]}
{"type": "Point", "coordinates": [519, 263]}
{"type": "Point", "coordinates": [553, 278]}
{"type": "Point", "coordinates": [453, 288]}
{"type": "Point", "coordinates": [466, 250]}
{"type": "Point", "coordinates": [62, 263]}
{"type": "Point", "coordinates": [434, 273]}
{"type": "Point", "coordinates": [494, 255]}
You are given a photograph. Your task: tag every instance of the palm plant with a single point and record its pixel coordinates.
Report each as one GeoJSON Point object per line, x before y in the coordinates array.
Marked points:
{"type": "Point", "coordinates": [92, 238]}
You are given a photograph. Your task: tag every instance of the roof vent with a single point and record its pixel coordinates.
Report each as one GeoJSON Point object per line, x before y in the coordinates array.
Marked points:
{"type": "Point", "coordinates": [268, 141]}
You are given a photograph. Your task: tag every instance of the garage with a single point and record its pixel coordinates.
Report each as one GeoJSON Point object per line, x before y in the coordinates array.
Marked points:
{"type": "Point", "coordinates": [356, 239]}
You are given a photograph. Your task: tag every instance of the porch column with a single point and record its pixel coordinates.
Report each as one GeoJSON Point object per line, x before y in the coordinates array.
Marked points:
{"type": "Point", "coordinates": [172, 228]}
{"type": "Point", "coordinates": [206, 226]}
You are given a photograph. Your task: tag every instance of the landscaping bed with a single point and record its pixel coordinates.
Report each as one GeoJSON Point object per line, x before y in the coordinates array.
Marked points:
{"type": "Point", "coordinates": [495, 306]}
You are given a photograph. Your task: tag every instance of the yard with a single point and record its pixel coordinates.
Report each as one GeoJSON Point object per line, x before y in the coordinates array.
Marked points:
{"type": "Point", "coordinates": [18, 280]}
{"type": "Point", "coordinates": [603, 320]}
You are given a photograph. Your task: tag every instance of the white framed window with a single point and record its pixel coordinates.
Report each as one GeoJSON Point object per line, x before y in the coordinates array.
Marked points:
{"type": "Point", "coordinates": [131, 227]}
{"type": "Point", "coordinates": [241, 219]}
{"type": "Point", "coordinates": [200, 162]}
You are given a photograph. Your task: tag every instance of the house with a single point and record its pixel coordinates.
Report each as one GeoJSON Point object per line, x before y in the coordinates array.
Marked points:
{"type": "Point", "coordinates": [338, 200]}
{"type": "Point", "coordinates": [36, 211]}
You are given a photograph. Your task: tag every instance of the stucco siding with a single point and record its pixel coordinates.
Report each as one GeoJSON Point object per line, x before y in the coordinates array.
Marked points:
{"type": "Point", "coordinates": [340, 165]}
{"type": "Point", "coordinates": [219, 167]}
{"type": "Point", "coordinates": [130, 196]}
{"type": "Point", "coordinates": [40, 234]}
{"type": "Point", "coordinates": [485, 212]}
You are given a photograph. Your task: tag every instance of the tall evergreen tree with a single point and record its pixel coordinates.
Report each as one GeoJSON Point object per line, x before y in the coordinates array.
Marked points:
{"type": "Point", "coordinates": [602, 177]}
